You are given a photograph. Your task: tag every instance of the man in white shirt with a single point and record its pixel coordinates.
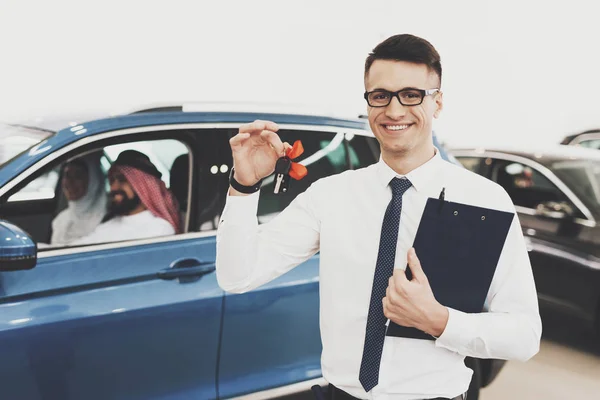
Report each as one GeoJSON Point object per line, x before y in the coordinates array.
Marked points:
{"type": "Point", "coordinates": [140, 204]}
{"type": "Point", "coordinates": [345, 218]}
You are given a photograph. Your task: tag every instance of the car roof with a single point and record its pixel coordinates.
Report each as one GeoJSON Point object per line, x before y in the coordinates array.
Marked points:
{"type": "Point", "coordinates": [54, 123]}
{"type": "Point", "coordinates": [147, 118]}
{"type": "Point", "coordinates": [57, 122]}
{"type": "Point", "coordinates": [544, 154]}
{"type": "Point", "coordinates": [570, 138]}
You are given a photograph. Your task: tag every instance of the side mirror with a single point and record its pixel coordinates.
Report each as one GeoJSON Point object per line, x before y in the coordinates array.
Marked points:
{"type": "Point", "coordinates": [555, 210]}
{"type": "Point", "coordinates": [17, 250]}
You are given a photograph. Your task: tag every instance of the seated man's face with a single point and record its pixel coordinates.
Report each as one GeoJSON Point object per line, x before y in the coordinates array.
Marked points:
{"type": "Point", "coordinates": [123, 199]}
{"type": "Point", "coordinates": [75, 181]}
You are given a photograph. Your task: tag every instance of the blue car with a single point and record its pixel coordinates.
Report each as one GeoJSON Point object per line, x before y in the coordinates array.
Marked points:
{"type": "Point", "coordinates": [145, 318]}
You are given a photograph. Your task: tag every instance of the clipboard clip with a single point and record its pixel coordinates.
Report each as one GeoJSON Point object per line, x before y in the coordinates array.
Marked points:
{"type": "Point", "coordinates": [441, 198]}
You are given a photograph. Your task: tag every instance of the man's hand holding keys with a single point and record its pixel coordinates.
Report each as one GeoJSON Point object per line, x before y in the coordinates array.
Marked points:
{"type": "Point", "coordinates": [255, 149]}
{"type": "Point", "coordinates": [411, 303]}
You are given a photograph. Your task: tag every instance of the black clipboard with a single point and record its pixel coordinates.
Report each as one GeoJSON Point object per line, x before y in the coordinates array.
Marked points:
{"type": "Point", "coordinates": [459, 247]}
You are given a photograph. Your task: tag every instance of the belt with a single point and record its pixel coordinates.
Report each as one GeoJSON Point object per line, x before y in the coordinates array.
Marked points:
{"type": "Point", "coordinates": [334, 393]}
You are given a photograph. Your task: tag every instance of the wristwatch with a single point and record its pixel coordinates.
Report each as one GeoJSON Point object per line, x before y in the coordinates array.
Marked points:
{"type": "Point", "coordinates": [242, 188]}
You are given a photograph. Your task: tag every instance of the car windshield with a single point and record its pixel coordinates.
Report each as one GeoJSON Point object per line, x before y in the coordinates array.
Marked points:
{"type": "Point", "coordinates": [583, 178]}
{"type": "Point", "coordinates": [15, 139]}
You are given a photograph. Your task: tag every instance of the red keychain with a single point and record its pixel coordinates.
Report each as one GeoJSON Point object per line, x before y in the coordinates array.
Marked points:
{"type": "Point", "coordinates": [286, 168]}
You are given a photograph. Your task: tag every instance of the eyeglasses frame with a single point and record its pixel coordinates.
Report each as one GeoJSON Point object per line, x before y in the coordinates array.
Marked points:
{"type": "Point", "coordinates": [396, 94]}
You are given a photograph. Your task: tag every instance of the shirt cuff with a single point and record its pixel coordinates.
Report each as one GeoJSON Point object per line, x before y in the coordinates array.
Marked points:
{"type": "Point", "coordinates": [240, 208]}
{"type": "Point", "coordinates": [456, 330]}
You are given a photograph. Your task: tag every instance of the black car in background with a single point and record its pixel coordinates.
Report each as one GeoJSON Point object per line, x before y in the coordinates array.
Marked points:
{"type": "Point", "coordinates": [590, 139]}
{"type": "Point", "coordinates": [556, 192]}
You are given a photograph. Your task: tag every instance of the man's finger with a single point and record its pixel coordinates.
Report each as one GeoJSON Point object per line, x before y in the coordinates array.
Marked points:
{"type": "Point", "coordinates": [273, 139]}
{"type": "Point", "coordinates": [391, 295]}
{"type": "Point", "coordinates": [268, 125]}
{"type": "Point", "coordinates": [385, 304]}
{"type": "Point", "coordinates": [396, 284]}
{"type": "Point", "coordinates": [415, 266]}
{"type": "Point", "coordinates": [238, 139]}
{"type": "Point", "coordinates": [257, 127]}
{"type": "Point", "coordinates": [253, 127]}
{"type": "Point", "coordinates": [272, 126]}
{"type": "Point", "coordinates": [399, 278]}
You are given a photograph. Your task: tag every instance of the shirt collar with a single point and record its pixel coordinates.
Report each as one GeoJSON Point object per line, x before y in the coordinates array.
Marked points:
{"type": "Point", "coordinates": [419, 177]}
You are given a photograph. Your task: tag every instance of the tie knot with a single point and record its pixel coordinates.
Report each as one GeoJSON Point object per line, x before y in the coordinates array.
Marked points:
{"type": "Point", "coordinates": [399, 186]}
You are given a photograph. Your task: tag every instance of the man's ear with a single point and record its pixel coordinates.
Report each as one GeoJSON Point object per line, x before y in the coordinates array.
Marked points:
{"type": "Point", "coordinates": [439, 103]}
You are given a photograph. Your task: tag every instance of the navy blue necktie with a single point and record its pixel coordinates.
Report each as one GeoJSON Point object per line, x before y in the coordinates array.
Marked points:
{"type": "Point", "coordinates": [375, 334]}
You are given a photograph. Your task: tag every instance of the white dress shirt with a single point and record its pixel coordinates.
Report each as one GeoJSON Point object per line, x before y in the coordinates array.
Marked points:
{"type": "Point", "coordinates": [341, 216]}
{"type": "Point", "coordinates": [128, 227]}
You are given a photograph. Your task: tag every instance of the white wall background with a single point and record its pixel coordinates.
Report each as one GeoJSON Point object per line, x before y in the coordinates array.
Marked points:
{"type": "Point", "coordinates": [514, 71]}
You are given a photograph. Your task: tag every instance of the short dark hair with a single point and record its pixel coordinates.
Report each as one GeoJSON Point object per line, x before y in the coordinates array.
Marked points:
{"type": "Point", "coordinates": [408, 48]}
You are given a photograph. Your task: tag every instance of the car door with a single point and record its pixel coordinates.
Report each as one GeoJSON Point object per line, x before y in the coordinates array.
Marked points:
{"type": "Point", "coordinates": [138, 319]}
{"type": "Point", "coordinates": [554, 244]}
{"type": "Point", "coordinates": [271, 335]}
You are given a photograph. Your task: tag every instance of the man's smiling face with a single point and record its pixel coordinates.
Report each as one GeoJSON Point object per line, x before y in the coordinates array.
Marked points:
{"type": "Point", "coordinates": [123, 199]}
{"type": "Point", "coordinates": [400, 129]}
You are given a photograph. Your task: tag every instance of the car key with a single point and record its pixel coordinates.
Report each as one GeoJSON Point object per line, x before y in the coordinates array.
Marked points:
{"type": "Point", "coordinates": [282, 175]}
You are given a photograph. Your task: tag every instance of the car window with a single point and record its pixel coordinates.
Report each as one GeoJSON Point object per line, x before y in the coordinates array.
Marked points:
{"type": "Point", "coordinates": [15, 139]}
{"type": "Point", "coordinates": [325, 153]}
{"type": "Point", "coordinates": [526, 186]}
{"type": "Point", "coordinates": [583, 178]}
{"type": "Point", "coordinates": [162, 153]}
{"type": "Point", "coordinates": [479, 165]}
{"type": "Point", "coordinates": [41, 188]}
{"type": "Point", "coordinates": [592, 143]}
{"type": "Point", "coordinates": [471, 163]}
{"type": "Point", "coordinates": [84, 211]}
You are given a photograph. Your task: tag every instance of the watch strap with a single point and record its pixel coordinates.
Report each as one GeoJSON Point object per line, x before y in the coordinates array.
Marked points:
{"type": "Point", "coordinates": [243, 188]}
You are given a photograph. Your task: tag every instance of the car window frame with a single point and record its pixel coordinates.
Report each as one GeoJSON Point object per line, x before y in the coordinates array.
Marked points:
{"type": "Point", "coordinates": [36, 195]}
{"type": "Point", "coordinates": [60, 197]}
{"type": "Point", "coordinates": [90, 144]}
{"type": "Point", "coordinates": [344, 138]}
{"type": "Point", "coordinates": [158, 128]}
{"type": "Point", "coordinates": [584, 137]}
{"type": "Point", "coordinates": [589, 219]}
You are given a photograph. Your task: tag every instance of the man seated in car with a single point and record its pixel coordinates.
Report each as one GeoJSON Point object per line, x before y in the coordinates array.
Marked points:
{"type": "Point", "coordinates": [140, 204]}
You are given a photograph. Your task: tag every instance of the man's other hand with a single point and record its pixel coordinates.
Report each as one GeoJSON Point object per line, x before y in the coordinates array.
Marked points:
{"type": "Point", "coordinates": [412, 303]}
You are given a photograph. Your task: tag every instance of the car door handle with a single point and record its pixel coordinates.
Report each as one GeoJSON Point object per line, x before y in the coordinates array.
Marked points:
{"type": "Point", "coordinates": [187, 267]}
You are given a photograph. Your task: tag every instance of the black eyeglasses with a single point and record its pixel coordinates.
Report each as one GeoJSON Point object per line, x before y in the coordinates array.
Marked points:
{"type": "Point", "coordinates": [406, 97]}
